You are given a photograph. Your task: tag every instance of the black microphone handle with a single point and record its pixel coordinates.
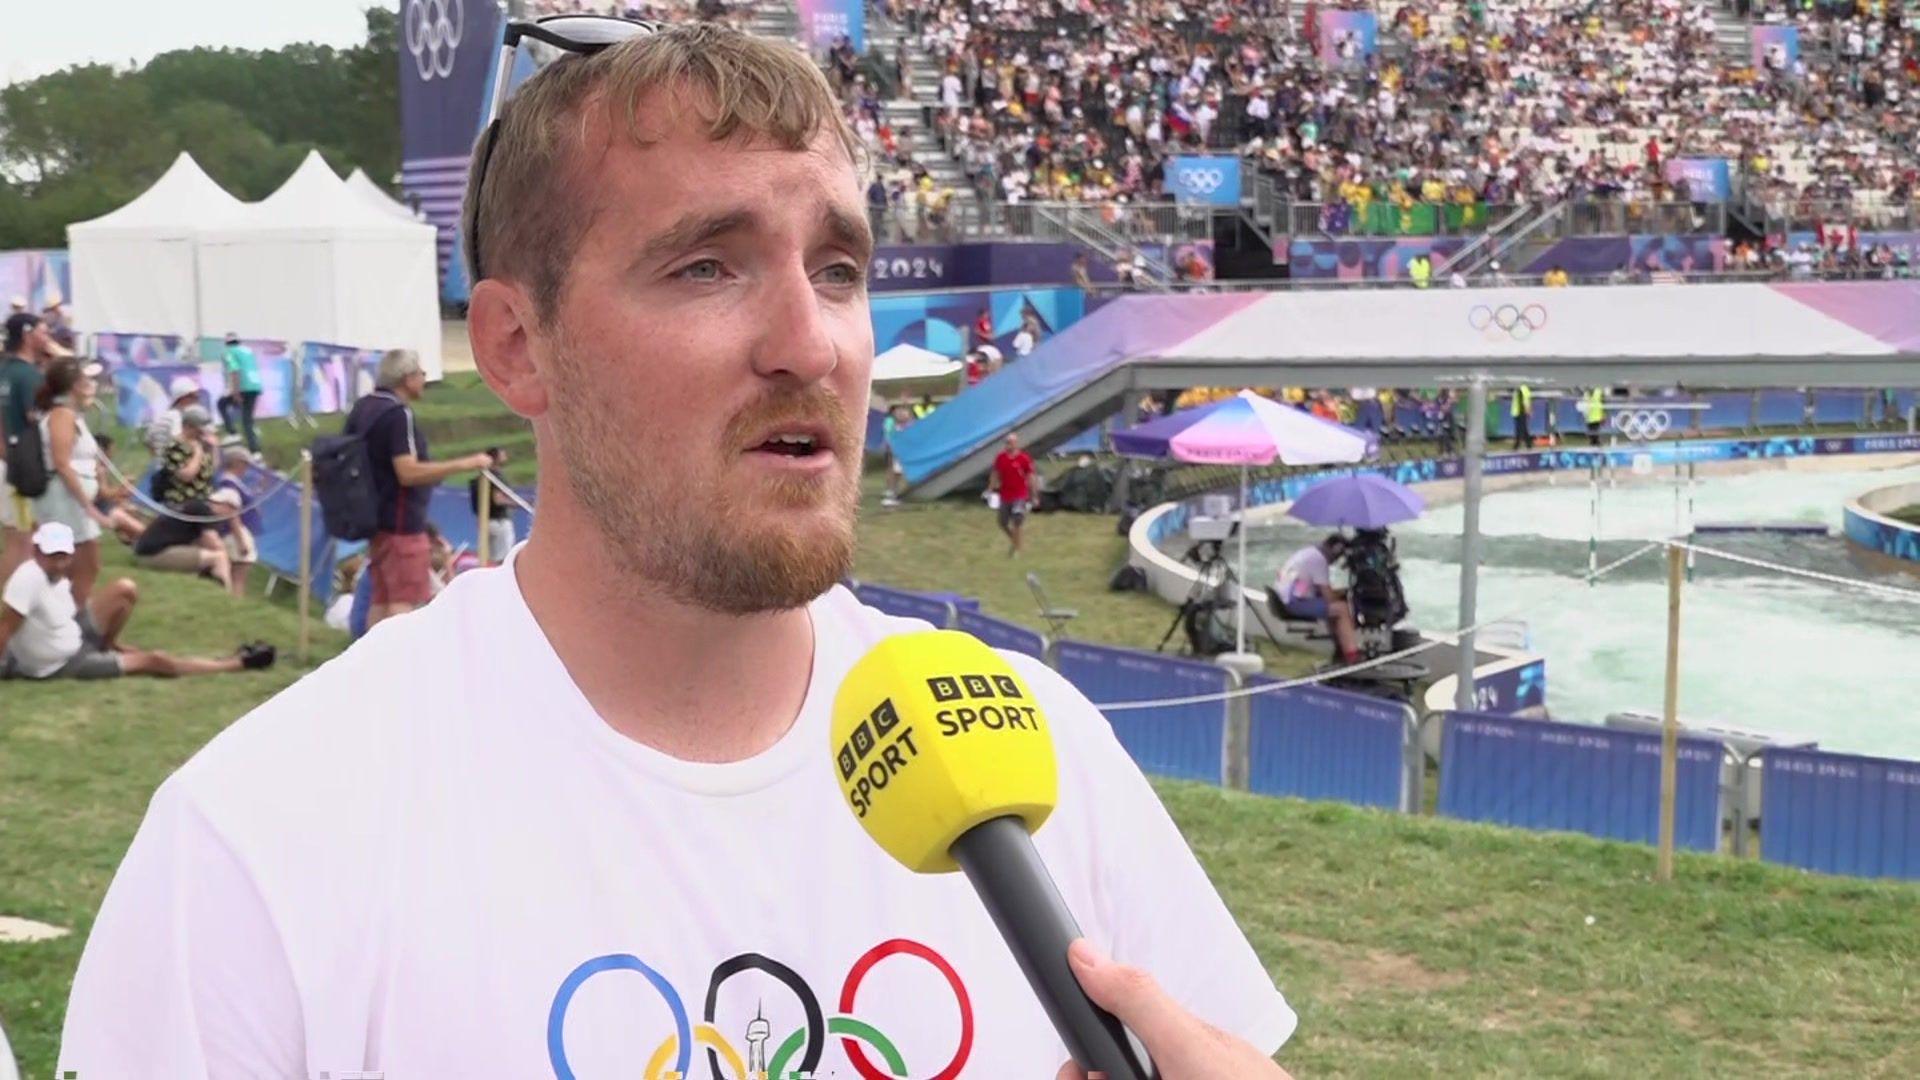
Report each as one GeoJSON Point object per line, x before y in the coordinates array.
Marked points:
{"type": "Point", "coordinates": [999, 858]}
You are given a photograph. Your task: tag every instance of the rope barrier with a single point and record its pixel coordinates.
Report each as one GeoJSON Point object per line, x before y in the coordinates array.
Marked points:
{"type": "Point", "coordinates": [1890, 591]}
{"type": "Point", "coordinates": [501, 486]}
{"type": "Point", "coordinates": [1308, 680]}
{"type": "Point", "coordinates": [147, 501]}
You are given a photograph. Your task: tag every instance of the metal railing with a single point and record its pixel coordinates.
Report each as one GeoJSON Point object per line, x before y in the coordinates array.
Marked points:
{"type": "Point", "coordinates": [1607, 218]}
{"type": "Point", "coordinates": [1868, 214]}
{"type": "Point", "coordinates": [1128, 222]}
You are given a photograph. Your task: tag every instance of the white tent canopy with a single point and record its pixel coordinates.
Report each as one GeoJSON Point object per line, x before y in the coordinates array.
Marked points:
{"type": "Point", "coordinates": [363, 185]}
{"type": "Point", "coordinates": [906, 362]}
{"type": "Point", "coordinates": [318, 261]}
{"type": "Point", "coordinates": [135, 269]}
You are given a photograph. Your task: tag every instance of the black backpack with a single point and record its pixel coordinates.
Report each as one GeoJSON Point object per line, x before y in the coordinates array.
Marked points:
{"type": "Point", "coordinates": [27, 470]}
{"type": "Point", "coordinates": [343, 482]}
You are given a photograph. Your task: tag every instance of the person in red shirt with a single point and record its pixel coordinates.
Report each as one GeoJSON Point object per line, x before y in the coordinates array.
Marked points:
{"type": "Point", "coordinates": [983, 328]}
{"type": "Point", "coordinates": [1013, 480]}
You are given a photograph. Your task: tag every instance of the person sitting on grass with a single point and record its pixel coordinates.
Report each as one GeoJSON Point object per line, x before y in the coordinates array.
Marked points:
{"type": "Point", "coordinates": [186, 540]}
{"type": "Point", "coordinates": [45, 635]}
{"type": "Point", "coordinates": [115, 500]}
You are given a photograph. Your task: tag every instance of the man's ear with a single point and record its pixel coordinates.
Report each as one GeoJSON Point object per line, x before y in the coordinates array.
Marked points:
{"type": "Point", "coordinates": [500, 327]}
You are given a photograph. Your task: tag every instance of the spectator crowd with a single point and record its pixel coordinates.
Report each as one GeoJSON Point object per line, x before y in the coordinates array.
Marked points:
{"type": "Point", "coordinates": [1465, 103]}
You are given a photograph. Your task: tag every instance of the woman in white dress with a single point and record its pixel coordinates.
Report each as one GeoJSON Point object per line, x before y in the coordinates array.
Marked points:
{"type": "Point", "coordinates": [73, 467]}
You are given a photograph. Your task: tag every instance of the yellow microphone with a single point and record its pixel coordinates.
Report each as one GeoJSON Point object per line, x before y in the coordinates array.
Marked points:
{"type": "Point", "coordinates": [947, 761]}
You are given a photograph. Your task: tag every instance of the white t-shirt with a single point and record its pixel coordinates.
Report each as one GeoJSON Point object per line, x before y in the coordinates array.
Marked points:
{"type": "Point", "coordinates": [50, 636]}
{"type": "Point", "coordinates": [432, 858]}
{"type": "Point", "coordinates": [1305, 571]}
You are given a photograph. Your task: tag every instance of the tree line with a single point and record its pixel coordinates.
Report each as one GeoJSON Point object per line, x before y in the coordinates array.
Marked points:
{"type": "Point", "coordinates": [81, 141]}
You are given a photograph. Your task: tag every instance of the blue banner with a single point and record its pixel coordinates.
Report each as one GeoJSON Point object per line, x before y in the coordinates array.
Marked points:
{"type": "Point", "coordinates": [907, 605]}
{"type": "Point", "coordinates": [1314, 743]}
{"type": "Point", "coordinates": [447, 50]}
{"type": "Point", "coordinates": [1841, 813]}
{"type": "Point", "coordinates": [1204, 180]}
{"type": "Point", "coordinates": [1776, 48]}
{"type": "Point", "coordinates": [1002, 634]}
{"type": "Point", "coordinates": [1708, 179]}
{"type": "Point", "coordinates": [1183, 741]}
{"type": "Point", "coordinates": [1537, 774]}
{"type": "Point", "coordinates": [337, 376]}
{"type": "Point", "coordinates": [824, 22]}
{"type": "Point", "coordinates": [1346, 38]}
{"type": "Point", "coordinates": [943, 322]}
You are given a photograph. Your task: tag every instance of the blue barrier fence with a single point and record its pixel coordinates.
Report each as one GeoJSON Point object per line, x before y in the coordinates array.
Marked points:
{"type": "Point", "coordinates": [1536, 774]}
{"type": "Point", "coordinates": [1313, 743]}
{"type": "Point", "coordinates": [1184, 741]}
{"type": "Point", "coordinates": [906, 604]}
{"type": "Point", "coordinates": [1841, 813]}
{"type": "Point", "coordinates": [1002, 634]}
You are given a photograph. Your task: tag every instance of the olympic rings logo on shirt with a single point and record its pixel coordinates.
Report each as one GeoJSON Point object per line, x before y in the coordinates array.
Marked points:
{"type": "Point", "coordinates": [808, 1041]}
{"type": "Point", "coordinates": [431, 26]}
{"type": "Point", "coordinates": [1519, 323]}
{"type": "Point", "coordinates": [1640, 425]}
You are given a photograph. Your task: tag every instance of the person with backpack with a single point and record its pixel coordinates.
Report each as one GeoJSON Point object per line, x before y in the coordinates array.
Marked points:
{"type": "Point", "coordinates": [401, 477]}
{"type": "Point", "coordinates": [23, 473]}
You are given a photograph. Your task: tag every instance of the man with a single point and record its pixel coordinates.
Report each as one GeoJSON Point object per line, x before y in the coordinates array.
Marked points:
{"type": "Point", "coordinates": [243, 391]}
{"type": "Point", "coordinates": [21, 373]}
{"type": "Point", "coordinates": [1593, 409]}
{"type": "Point", "coordinates": [1522, 405]}
{"type": "Point", "coordinates": [399, 558]}
{"type": "Point", "coordinates": [43, 637]}
{"type": "Point", "coordinates": [183, 392]}
{"type": "Point", "coordinates": [1028, 337]}
{"type": "Point", "coordinates": [1012, 481]}
{"type": "Point", "coordinates": [1305, 588]}
{"type": "Point", "coordinates": [450, 851]}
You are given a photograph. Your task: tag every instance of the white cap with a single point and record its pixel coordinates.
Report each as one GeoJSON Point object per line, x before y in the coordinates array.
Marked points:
{"type": "Point", "coordinates": [227, 496]}
{"type": "Point", "coordinates": [181, 386]}
{"type": "Point", "coordinates": [53, 538]}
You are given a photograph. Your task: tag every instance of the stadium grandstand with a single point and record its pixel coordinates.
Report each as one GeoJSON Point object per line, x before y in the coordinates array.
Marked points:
{"type": "Point", "coordinates": [1763, 139]}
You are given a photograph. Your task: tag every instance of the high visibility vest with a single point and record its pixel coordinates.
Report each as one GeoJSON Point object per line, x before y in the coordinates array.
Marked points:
{"type": "Point", "coordinates": [921, 409]}
{"type": "Point", "coordinates": [1592, 406]}
{"type": "Point", "coordinates": [1421, 270]}
{"type": "Point", "coordinates": [1523, 401]}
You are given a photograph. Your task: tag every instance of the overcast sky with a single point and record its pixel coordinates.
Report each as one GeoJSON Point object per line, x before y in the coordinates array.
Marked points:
{"type": "Point", "coordinates": [39, 36]}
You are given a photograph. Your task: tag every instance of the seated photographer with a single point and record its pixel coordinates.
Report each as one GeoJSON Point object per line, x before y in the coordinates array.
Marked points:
{"type": "Point", "coordinates": [1305, 589]}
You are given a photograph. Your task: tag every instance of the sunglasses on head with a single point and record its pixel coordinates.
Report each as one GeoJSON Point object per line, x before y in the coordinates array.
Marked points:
{"type": "Point", "coordinates": [578, 35]}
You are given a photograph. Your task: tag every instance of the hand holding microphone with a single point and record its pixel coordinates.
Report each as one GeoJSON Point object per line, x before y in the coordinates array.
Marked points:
{"type": "Point", "coordinates": [1185, 1046]}
{"type": "Point", "coordinates": [946, 759]}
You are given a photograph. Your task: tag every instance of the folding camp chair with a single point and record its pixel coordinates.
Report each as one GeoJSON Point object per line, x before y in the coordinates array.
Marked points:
{"type": "Point", "coordinates": [1056, 617]}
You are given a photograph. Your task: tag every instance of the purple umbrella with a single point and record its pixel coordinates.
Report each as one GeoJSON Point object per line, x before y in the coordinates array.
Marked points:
{"type": "Point", "coordinates": [1364, 501]}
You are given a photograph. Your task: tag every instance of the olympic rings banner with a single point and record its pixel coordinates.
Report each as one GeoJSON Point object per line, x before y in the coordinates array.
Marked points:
{"type": "Point", "coordinates": [1205, 180]}
{"type": "Point", "coordinates": [789, 1033]}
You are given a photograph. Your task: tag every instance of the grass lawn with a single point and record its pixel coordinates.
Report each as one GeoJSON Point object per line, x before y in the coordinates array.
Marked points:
{"type": "Point", "coordinates": [1409, 946]}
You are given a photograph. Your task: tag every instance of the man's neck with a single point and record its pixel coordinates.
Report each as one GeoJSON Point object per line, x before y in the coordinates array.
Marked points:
{"type": "Point", "coordinates": [688, 682]}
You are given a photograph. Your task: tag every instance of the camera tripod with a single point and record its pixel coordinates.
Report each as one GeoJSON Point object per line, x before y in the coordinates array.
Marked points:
{"type": "Point", "coordinates": [1203, 600]}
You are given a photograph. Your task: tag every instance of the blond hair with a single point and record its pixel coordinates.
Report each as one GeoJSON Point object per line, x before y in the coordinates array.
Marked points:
{"type": "Point", "coordinates": [738, 85]}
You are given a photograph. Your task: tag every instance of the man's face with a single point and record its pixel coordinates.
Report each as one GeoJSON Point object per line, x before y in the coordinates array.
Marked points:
{"type": "Point", "coordinates": [707, 365]}
{"type": "Point", "coordinates": [1013, 444]}
{"type": "Point", "coordinates": [55, 567]}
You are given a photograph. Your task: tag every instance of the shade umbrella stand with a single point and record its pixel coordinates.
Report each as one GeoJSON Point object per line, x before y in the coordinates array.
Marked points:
{"type": "Point", "coordinates": [1246, 430]}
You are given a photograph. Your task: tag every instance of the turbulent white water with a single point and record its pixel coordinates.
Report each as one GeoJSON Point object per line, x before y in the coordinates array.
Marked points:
{"type": "Point", "coordinates": [1758, 650]}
